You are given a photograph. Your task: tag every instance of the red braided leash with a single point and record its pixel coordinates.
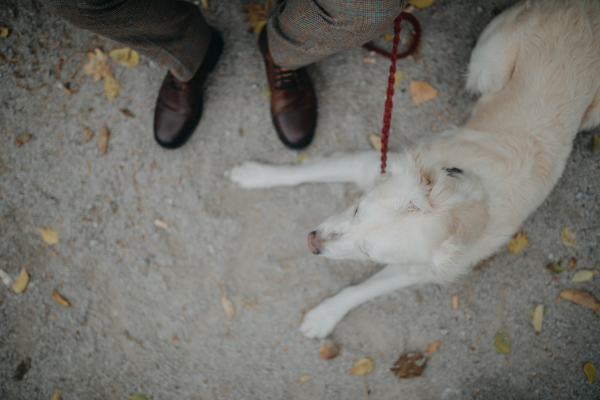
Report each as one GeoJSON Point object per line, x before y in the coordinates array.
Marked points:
{"type": "Point", "coordinates": [387, 114]}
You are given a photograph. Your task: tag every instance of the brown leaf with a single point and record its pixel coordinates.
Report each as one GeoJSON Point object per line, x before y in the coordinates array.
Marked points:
{"type": "Point", "coordinates": [362, 367]}
{"type": "Point", "coordinates": [21, 282]}
{"type": "Point", "coordinates": [87, 133]}
{"type": "Point", "coordinates": [97, 65]}
{"type": "Point", "coordinates": [61, 300]}
{"type": "Point", "coordinates": [582, 298]}
{"type": "Point", "coordinates": [421, 92]}
{"type": "Point", "coordinates": [56, 395]}
{"type": "Point", "coordinates": [433, 348]}
{"type": "Point", "coordinates": [257, 16]}
{"type": "Point", "coordinates": [21, 139]}
{"type": "Point", "coordinates": [518, 242]}
{"type": "Point", "coordinates": [303, 378]}
{"type": "Point", "coordinates": [572, 263]}
{"type": "Point", "coordinates": [127, 113]}
{"type": "Point", "coordinates": [246, 304]}
{"type": "Point", "coordinates": [329, 351]}
{"type": "Point", "coordinates": [409, 365]}
{"type": "Point", "coordinates": [368, 60]}
{"type": "Point", "coordinates": [103, 139]}
{"type": "Point", "coordinates": [455, 302]}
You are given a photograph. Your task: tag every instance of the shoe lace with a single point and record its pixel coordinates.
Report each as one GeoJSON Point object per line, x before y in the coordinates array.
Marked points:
{"type": "Point", "coordinates": [285, 78]}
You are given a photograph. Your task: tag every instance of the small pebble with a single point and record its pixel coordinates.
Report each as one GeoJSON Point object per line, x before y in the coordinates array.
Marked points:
{"type": "Point", "coordinates": [578, 195]}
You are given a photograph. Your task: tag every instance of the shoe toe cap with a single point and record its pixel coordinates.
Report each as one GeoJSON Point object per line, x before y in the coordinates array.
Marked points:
{"type": "Point", "coordinates": [297, 128]}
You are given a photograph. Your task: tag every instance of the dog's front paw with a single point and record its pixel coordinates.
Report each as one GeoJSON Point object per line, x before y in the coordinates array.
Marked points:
{"type": "Point", "coordinates": [320, 321]}
{"type": "Point", "coordinates": [252, 175]}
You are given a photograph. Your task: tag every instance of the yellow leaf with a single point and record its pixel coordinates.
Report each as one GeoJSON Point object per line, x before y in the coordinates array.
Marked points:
{"type": "Point", "coordinates": [103, 139]}
{"type": "Point", "coordinates": [433, 348]}
{"type": "Point", "coordinates": [137, 397]}
{"type": "Point", "coordinates": [3, 31]}
{"type": "Point", "coordinates": [398, 78]}
{"type": "Point", "coordinates": [595, 143]}
{"type": "Point", "coordinates": [303, 156]}
{"type": "Point", "coordinates": [590, 372]}
{"type": "Point", "coordinates": [21, 282]}
{"type": "Point", "coordinates": [388, 37]}
{"type": "Point", "coordinates": [518, 242]}
{"type": "Point", "coordinates": [375, 141]}
{"type": "Point", "coordinates": [362, 367]}
{"type": "Point", "coordinates": [267, 93]}
{"type": "Point", "coordinates": [259, 27]}
{"type": "Point", "coordinates": [303, 378]}
{"type": "Point", "coordinates": [538, 316]}
{"type": "Point", "coordinates": [421, 3]}
{"type": "Point", "coordinates": [204, 4]}
{"type": "Point", "coordinates": [21, 139]}
{"type": "Point", "coordinates": [56, 395]}
{"type": "Point", "coordinates": [583, 275]}
{"type": "Point", "coordinates": [125, 57]}
{"type": "Point", "coordinates": [61, 300]}
{"type": "Point", "coordinates": [421, 92]}
{"type": "Point", "coordinates": [111, 87]}
{"type": "Point", "coordinates": [502, 342]}
{"type": "Point", "coordinates": [582, 298]}
{"type": "Point", "coordinates": [49, 236]}
{"type": "Point", "coordinates": [568, 237]}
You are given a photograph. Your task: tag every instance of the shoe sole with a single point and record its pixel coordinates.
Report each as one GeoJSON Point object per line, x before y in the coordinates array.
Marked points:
{"type": "Point", "coordinates": [211, 67]}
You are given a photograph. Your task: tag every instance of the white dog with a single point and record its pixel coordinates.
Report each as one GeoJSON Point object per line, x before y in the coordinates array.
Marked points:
{"type": "Point", "coordinates": [445, 206]}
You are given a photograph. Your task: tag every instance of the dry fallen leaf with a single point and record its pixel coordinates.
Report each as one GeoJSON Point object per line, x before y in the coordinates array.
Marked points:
{"type": "Point", "coordinates": [388, 37]}
{"type": "Point", "coordinates": [5, 278]}
{"type": "Point", "coordinates": [21, 139]}
{"type": "Point", "coordinates": [87, 133]}
{"type": "Point", "coordinates": [398, 75]}
{"type": "Point", "coordinates": [97, 65]}
{"type": "Point", "coordinates": [61, 300]}
{"type": "Point", "coordinates": [229, 309]}
{"type": "Point", "coordinates": [137, 397]}
{"type": "Point", "coordinates": [543, 314]}
{"type": "Point", "coordinates": [266, 93]}
{"type": "Point", "coordinates": [502, 342]}
{"type": "Point", "coordinates": [554, 268]}
{"type": "Point", "coordinates": [568, 236]}
{"type": "Point", "coordinates": [204, 4]}
{"type": "Point", "coordinates": [421, 3]}
{"type": "Point", "coordinates": [362, 367]}
{"type": "Point", "coordinates": [375, 141]}
{"type": "Point", "coordinates": [409, 365]}
{"type": "Point", "coordinates": [103, 139]}
{"type": "Point", "coordinates": [583, 275]}
{"type": "Point", "coordinates": [49, 236]}
{"type": "Point", "coordinates": [303, 378]}
{"type": "Point", "coordinates": [257, 16]}
{"type": "Point", "coordinates": [421, 92]}
{"type": "Point", "coordinates": [303, 156]}
{"type": "Point", "coordinates": [111, 87]}
{"type": "Point", "coordinates": [21, 282]}
{"type": "Point", "coordinates": [125, 57]}
{"type": "Point", "coordinates": [3, 31]}
{"type": "Point", "coordinates": [518, 242]}
{"type": "Point", "coordinates": [595, 143]}
{"type": "Point", "coordinates": [538, 316]}
{"type": "Point", "coordinates": [455, 302]}
{"type": "Point", "coordinates": [581, 297]}
{"type": "Point", "coordinates": [159, 223]}
{"type": "Point", "coordinates": [572, 263]}
{"type": "Point", "coordinates": [590, 372]}
{"type": "Point", "coordinates": [433, 348]}
{"type": "Point", "coordinates": [368, 60]}
{"type": "Point", "coordinates": [329, 351]}
{"type": "Point", "coordinates": [127, 113]}
{"type": "Point", "coordinates": [56, 395]}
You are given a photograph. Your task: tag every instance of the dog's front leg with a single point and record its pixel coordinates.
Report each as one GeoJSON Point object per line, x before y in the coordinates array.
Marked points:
{"type": "Point", "coordinates": [360, 168]}
{"type": "Point", "coordinates": [320, 321]}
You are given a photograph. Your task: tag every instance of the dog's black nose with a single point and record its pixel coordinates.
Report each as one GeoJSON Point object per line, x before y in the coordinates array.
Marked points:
{"type": "Point", "coordinates": [311, 242]}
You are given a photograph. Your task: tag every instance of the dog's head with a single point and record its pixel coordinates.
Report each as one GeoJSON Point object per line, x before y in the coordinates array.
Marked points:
{"type": "Point", "coordinates": [412, 212]}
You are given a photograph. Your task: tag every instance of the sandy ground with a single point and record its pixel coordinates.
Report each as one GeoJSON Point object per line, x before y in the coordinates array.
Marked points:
{"type": "Point", "coordinates": [146, 316]}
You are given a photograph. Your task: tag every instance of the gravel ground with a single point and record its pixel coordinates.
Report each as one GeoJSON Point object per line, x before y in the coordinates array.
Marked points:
{"type": "Point", "coordinates": [146, 317]}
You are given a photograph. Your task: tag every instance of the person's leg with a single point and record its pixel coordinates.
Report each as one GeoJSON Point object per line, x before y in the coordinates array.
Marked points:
{"type": "Point", "coordinates": [302, 32]}
{"type": "Point", "coordinates": [172, 33]}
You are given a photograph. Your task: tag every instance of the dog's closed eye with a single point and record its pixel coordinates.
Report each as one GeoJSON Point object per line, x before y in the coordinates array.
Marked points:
{"type": "Point", "coordinates": [356, 210]}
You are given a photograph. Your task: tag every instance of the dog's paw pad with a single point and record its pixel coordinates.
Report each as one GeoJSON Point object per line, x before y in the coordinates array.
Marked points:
{"type": "Point", "coordinates": [251, 175]}
{"type": "Point", "coordinates": [319, 322]}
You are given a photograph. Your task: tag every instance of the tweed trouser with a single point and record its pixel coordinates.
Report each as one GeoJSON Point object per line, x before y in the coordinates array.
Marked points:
{"type": "Point", "coordinates": [175, 34]}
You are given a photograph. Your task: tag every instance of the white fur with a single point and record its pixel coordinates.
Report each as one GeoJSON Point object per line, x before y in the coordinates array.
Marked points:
{"type": "Point", "coordinates": [537, 67]}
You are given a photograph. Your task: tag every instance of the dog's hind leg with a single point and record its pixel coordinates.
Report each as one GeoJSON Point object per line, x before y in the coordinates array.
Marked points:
{"type": "Point", "coordinates": [359, 168]}
{"type": "Point", "coordinates": [493, 58]}
{"type": "Point", "coordinates": [320, 321]}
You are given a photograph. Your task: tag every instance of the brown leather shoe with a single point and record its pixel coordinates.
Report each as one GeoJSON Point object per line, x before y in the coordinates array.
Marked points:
{"type": "Point", "coordinates": [179, 104]}
{"type": "Point", "coordinates": [293, 101]}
